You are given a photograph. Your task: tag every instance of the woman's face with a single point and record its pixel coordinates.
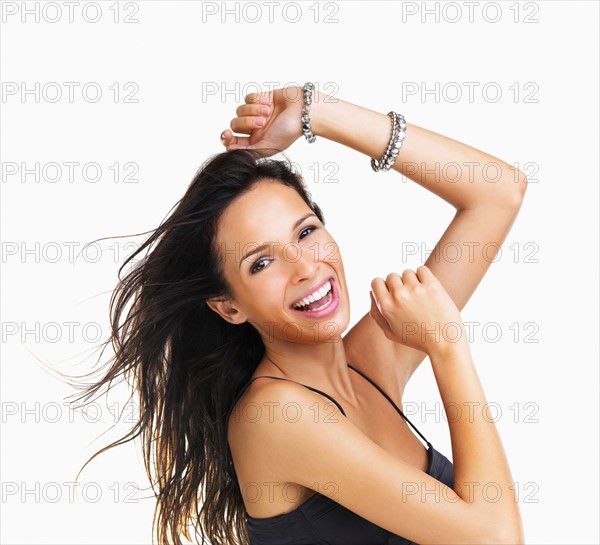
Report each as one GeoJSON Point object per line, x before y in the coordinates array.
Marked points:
{"type": "Point", "coordinates": [300, 257]}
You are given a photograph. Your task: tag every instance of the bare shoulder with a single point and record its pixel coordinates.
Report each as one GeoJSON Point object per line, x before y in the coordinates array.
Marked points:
{"type": "Point", "coordinates": [304, 439]}
{"type": "Point", "coordinates": [266, 403]}
{"type": "Point", "coordinates": [252, 434]}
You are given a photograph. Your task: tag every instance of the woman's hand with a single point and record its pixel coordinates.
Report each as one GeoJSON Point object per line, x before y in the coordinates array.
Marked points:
{"type": "Point", "coordinates": [271, 119]}
{"type": "Point", "coordinates": [416, 310]}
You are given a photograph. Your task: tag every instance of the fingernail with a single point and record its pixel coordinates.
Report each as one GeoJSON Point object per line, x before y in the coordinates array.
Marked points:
{"type": "Point", "coordinates": [265, 100]}
{"type": "Point", "coordinates": [263, 110]}
{"type": "Point", "coordinates": [260, 121]}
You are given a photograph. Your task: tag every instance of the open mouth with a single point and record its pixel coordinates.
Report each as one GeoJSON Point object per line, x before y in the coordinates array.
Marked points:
{"type": "Point", "coordinates": [316, 301]}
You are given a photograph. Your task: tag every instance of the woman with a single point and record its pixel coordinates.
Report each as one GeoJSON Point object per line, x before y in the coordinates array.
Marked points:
{"type": "Point", "coordinates": [267, 424]}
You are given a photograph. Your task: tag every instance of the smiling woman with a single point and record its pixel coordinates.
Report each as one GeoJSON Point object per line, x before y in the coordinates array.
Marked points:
{"type": "Point", "coordinates": [244, 281]}
{"type": "Point", "coordinates": [296, 266]}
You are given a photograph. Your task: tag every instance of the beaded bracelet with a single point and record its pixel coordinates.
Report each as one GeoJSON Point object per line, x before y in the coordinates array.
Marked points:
{"type": "Point", "coordinates": [394, 145]}
{"type": "Point", "coordinates": [307, 91]}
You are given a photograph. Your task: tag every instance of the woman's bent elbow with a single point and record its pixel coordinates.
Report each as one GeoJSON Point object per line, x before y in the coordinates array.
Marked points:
{"type": "Point", "coordinates": [509, 536]}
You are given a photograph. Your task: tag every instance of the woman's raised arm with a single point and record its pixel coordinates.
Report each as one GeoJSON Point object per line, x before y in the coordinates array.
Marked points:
{"type": "Point", "coordinates": [329, 454]}
{"type": "Point", "coordinates": [486, 191]}
{"type": "Point", "coordinates": [332, 454]}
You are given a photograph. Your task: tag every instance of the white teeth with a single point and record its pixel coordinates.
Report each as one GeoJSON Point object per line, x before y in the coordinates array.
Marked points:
{"type": "Point", "coordinates": [314, 296]}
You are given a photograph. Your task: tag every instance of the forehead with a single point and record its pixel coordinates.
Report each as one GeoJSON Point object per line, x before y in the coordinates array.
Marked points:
{"type": "Point", "coordinates": [265, 213]}
{"type": "Point", "coordinates": [268, 209]}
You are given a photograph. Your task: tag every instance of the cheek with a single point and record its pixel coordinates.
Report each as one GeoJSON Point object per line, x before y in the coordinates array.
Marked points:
{"type": "Point", "coordinates": [327, 250]}
{"type": "Point", "coordinates": [266, 294]}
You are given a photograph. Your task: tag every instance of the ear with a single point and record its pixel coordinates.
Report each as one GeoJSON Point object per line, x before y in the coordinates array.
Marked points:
{"type": "Point", "coordinates": [227, 310]}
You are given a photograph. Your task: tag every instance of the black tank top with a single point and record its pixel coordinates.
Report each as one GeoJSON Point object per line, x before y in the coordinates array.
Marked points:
{"type": "Point", "coordinates": [322, 521]}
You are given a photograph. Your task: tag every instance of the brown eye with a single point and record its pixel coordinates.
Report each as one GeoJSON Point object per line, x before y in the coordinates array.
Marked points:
{"type": "Point", "coordinates": [253, 269]}
{"type": "Point", "coordinates": [311, 230]}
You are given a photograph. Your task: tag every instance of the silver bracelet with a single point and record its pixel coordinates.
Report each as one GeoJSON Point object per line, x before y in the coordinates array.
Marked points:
{"type": "Point", "coordinates": [394, 145]}
{"type": "Point", "coordinates": [378, 165]}
{"type": "Point", "coordinates": [307, 91]}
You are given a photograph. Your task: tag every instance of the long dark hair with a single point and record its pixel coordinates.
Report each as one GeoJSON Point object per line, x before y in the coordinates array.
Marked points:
{"type": "Point", "coordinates": [184, 360]}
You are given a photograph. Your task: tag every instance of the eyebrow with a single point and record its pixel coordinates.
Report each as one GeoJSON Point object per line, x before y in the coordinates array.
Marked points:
{"type": "Point", "coordinates": [266, 246]}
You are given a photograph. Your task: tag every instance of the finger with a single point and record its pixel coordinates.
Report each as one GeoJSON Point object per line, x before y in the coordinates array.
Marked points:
{"type": "Point", "coordinates": [378, 317]}
{"type": "Point", "coordinates": [380, 291]}
{"type": "Point", "coordinates": [264, 97]}
{"type": "Point", "coordinates": [226, 137]}
{"type": "Point", "coordinates": [264, 152]}
{"type": "Point", "coordinates": [409, 277]}
{"type": "Point", "coordinates": [247, 124]}
{"type": "Point", "coordinates": [425, 274]}
{"type": "Point", "coordinates": [253, 110]}
{"type": "Point", "coordinates": [231, 141]}
{"type": "Point", "coordinates": [394, 281]}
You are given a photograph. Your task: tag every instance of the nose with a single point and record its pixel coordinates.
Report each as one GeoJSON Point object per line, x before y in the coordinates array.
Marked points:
{"type": "Point", "coordinates": [304, 265]}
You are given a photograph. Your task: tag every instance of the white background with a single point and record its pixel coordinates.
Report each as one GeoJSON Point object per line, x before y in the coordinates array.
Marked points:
{"type": "Point", "coordinates": [369, 54]}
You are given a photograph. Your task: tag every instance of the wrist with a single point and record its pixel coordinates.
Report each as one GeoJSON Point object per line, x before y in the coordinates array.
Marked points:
{"type": "Point", "coordinates": [359, 128]}
{"type": "Point", "coordinates": [318, 114]}
{"type": "Point", "coordinates": [444, 352]}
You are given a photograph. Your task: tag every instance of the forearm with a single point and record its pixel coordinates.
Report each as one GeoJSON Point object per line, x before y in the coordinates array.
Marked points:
{"type": "Point", "coordinates": [463, 176]}
{"type": "Point", "coordinates": [481, 472]}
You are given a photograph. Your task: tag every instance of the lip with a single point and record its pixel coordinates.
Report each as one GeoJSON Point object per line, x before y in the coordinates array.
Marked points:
{"type": "Point", "coordinates": [311, 290]}
{"type": "Point", "coordinates": [332, 307]}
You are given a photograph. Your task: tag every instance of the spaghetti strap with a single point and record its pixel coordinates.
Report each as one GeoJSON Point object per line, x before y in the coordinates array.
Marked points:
{"type": "Point", "coordinates": [290, 380]}
{"type": "Point", "coordinates": [228, 460]}
{"type": "Point", "coordinates": [390, 400]}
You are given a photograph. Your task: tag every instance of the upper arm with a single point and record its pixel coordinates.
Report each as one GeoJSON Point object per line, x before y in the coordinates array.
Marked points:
{"type": "Point", "coordinates": [459, 261]}
{"type": "Point", "coordinates": [468, 247]}
{"type": "Point", "coordinates": [321, 449]}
